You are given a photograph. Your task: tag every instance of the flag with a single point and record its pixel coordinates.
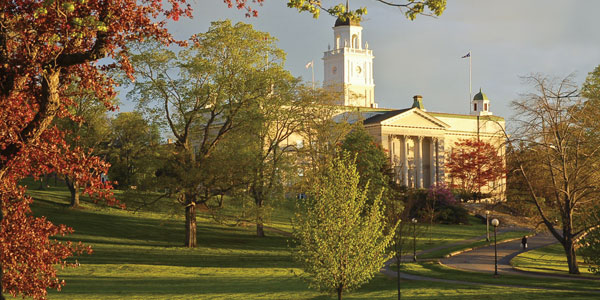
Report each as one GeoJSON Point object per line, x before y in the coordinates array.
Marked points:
{"type": "Point", "coordinates": [309, 64]}
{"type": "Point", "coordinates": [467, 55]}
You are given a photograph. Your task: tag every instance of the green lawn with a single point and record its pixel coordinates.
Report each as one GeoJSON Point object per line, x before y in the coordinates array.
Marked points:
{"type": "Point", "coordinates": [550, 259]}
{"type": "Point", "coordinates": [139, 256]}
{"type": "Point", "coordinates": [435, 270]}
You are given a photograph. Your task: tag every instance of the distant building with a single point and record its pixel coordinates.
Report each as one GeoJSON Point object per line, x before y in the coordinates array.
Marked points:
{"type": "Point", "coordinates": [418, 141]}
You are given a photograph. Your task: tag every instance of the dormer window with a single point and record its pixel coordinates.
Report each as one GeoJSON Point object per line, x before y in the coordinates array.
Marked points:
{"type": "Point", "coordinates": [474, 106]}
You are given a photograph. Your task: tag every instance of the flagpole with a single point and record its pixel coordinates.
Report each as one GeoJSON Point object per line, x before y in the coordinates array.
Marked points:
{"type": "Point", "coordinates": [313, 74]}
{"type": "Point", "coordinates": [470, 86]}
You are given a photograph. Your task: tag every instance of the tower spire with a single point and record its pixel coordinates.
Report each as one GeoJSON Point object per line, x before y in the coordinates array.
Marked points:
{"type": "Point", "coordinates": [347, 5]}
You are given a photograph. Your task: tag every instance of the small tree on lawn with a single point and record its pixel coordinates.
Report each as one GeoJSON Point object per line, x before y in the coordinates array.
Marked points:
{"type": "Point", "coordinates": [473, 164]}
{"type": "Point", "coordinates": [341, 239]}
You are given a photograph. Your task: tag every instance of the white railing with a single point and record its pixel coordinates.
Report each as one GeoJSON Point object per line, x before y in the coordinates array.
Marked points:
{"type": "Point", "coordinates": [348, 50]}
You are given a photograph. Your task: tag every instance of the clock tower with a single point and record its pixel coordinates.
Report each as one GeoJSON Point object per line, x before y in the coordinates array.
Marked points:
{"type": "Point", "coordinates": [349, 65]}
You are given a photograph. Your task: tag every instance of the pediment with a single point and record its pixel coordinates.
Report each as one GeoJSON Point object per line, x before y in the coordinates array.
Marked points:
{"type": "Point", "coordinates": [415, 118]}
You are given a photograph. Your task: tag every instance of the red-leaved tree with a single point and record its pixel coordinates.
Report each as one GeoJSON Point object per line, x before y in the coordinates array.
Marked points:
{"type": "Point", "coordinates": [475, 164]}
{"type": "Point", "coordinates": [45, 47]}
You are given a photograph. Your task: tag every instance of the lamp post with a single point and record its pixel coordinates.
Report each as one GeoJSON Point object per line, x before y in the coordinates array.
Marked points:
{"type": "Point", "coordinates": [487, 226]}
{"type": "Point", "coordinates": [414, 222]}
{"type": "Point", "coordinates": [495, 223]}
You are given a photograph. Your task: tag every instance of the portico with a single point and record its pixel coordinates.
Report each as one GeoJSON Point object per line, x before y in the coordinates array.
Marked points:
{"type": "Point", "coordinates": [417, 160]}
{"type": "Point", "coordinates": [415, 143]}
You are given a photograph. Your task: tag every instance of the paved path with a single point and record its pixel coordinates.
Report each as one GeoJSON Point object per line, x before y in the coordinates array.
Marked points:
{"type": "Point", "coordinates": [482, 259]}
{"type": "Point", "coordinates": [409, 257]}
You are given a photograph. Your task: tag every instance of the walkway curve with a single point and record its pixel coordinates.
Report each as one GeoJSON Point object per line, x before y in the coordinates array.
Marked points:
{"type": "Point", "coordinates": [482, 259]}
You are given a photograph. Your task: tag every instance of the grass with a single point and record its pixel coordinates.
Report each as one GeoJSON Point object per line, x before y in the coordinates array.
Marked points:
{"type": "Point", "coordinates": [479, 243]}
{"type": "Point", "coordinates": [435, 270]}
{"type": "Point", "coordinates": [139, 256]}
{"type": "Point", "coordinates": [549, 259]}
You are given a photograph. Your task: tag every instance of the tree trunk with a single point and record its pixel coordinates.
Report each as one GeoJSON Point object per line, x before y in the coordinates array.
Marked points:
{"type": "Point", "coordinates": [569, 247]}
{"type": "Point", "coordinates": [41, 187]}
{"type": "Point", "coordinates": [1, 270]}
{"type": "Point", "coordinates": [398, 260]}
{"type": "Point", "coordinates": [74, 189]}
{"type": "Point", "coordinates": [260, 231]}
{"type": "Point", "coordinates": [339, 292]}
{"type": "Point", "coordinates": [190, 225]}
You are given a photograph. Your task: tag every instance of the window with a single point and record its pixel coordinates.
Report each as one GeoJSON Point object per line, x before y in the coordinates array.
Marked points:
{"type": "Point", "coordinates": [474, 106]}
{"type": "Point", "coordinates": [355, 41]}
{"type": "Point", "coordinates": [337, 41]}
{"type": "Point", "coordinates": [485, 107]}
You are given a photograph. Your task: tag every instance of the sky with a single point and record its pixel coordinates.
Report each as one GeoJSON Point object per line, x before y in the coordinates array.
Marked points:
{"type": "Point", "coordinates": [508, 39]}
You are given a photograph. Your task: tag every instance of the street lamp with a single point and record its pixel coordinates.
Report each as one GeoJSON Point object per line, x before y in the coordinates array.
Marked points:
{"type": "Point", "coordinates": [414, 222]}
{"type": "Point", "coordinates": [487, 226]}
{"type": "Point", "coordinates": [495, 223]}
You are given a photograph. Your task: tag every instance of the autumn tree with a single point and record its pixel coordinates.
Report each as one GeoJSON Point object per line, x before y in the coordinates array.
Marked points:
{"type": "Point", "coordinates": [475, 164]}
{"type": "Point", "coordinates": [199, 94]}
{"type": "Point", "coordinates": [45, 47]}
{"type": "Point", "coordinates": [558, 128]}
{"type": "Point", "coordinates": [341, 239]}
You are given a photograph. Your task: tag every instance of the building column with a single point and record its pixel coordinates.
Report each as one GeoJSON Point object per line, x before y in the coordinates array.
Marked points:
{"type": "Point", "coordinates": [440, 157]}
{"type": "Point", "coordinates": [432, 161]}
{"type": "Point", "coordinates": [404, 160]}
{"type": "Point", "coordinates": [419, 161]}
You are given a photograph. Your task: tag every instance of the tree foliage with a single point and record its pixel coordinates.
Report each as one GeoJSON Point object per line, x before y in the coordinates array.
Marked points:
{"type": "Point", "coordinates": [46, 47]}
{"type": "Point", "coordinates": [561, 171]}
{"type": "Point", "coordinates": [199, 95]}
{"type": "Point", "coordinates": [474, 164]}
{"type": "Point", "coordinates": [410, 8]}
{"type": "Point", "coordinates": [272, 120]}
{"type": "Point", "coordinates": [132, 151]}
{"type": "Point", "coordinates": [372, 163]}
{"type": "Point", "coordinates": [341, 239]}
{"type": "Point", "coordinates": [87, 129]}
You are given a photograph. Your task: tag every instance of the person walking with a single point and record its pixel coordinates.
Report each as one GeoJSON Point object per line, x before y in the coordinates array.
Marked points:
{"type": "Point", "coordinates": [524, 242]}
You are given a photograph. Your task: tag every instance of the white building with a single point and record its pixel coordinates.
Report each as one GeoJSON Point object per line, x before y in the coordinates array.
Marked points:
{"type": "Point", "coordinates": [418, 141]}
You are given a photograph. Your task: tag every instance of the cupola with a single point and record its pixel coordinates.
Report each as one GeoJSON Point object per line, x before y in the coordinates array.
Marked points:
{"type": "Point", "coordinates": [480, 105]}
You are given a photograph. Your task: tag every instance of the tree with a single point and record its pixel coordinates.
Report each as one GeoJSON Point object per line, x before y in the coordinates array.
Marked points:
{"type": "Point", "coordinates": [590, 249]}
{"type": "Point", "coordinates": [131, 150]}
{"type": "Point", "coordinates": [562, 175]}
{"type": "Point", "coordinates": [473, 165]}
{"type": "Point", "coordinates": [45, 46]}
{"type": "Point", "coordinates": [372, 163]}
{"type": "Point", "coordinates": [199, 94]}
{"type": "Point", "coordinates": [341, 239]}
{"type": "Point", "coordinates": [273, 119]}
{"type": "Point", "coordinates": [87, 129]}
{"type": "Point", "coordinates": [410, 8]}
{"type": "Point", "coordinates": [323, 130]}
{"type": "Point", "coordinates": [591, 241]}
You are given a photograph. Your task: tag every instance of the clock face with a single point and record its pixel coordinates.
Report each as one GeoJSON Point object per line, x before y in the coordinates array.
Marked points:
{"type": "Point", "coordinates": [333, 70]}
{"type": "Point", "coordinates": [358, 70]}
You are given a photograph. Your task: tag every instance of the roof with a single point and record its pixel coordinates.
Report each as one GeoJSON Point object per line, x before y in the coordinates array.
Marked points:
{"type": "Point", "coordinates": [480, 96]}
{"type": "Point", "coordinates": [347, 22]}
{"type": "Point", "coordinates": [461, 116]}
{"type": "Point", "coordinates": [384, 116]}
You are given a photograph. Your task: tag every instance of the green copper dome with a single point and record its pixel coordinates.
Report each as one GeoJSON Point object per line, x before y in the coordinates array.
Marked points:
{"type": "Point", "coordinates": [480, 96]}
